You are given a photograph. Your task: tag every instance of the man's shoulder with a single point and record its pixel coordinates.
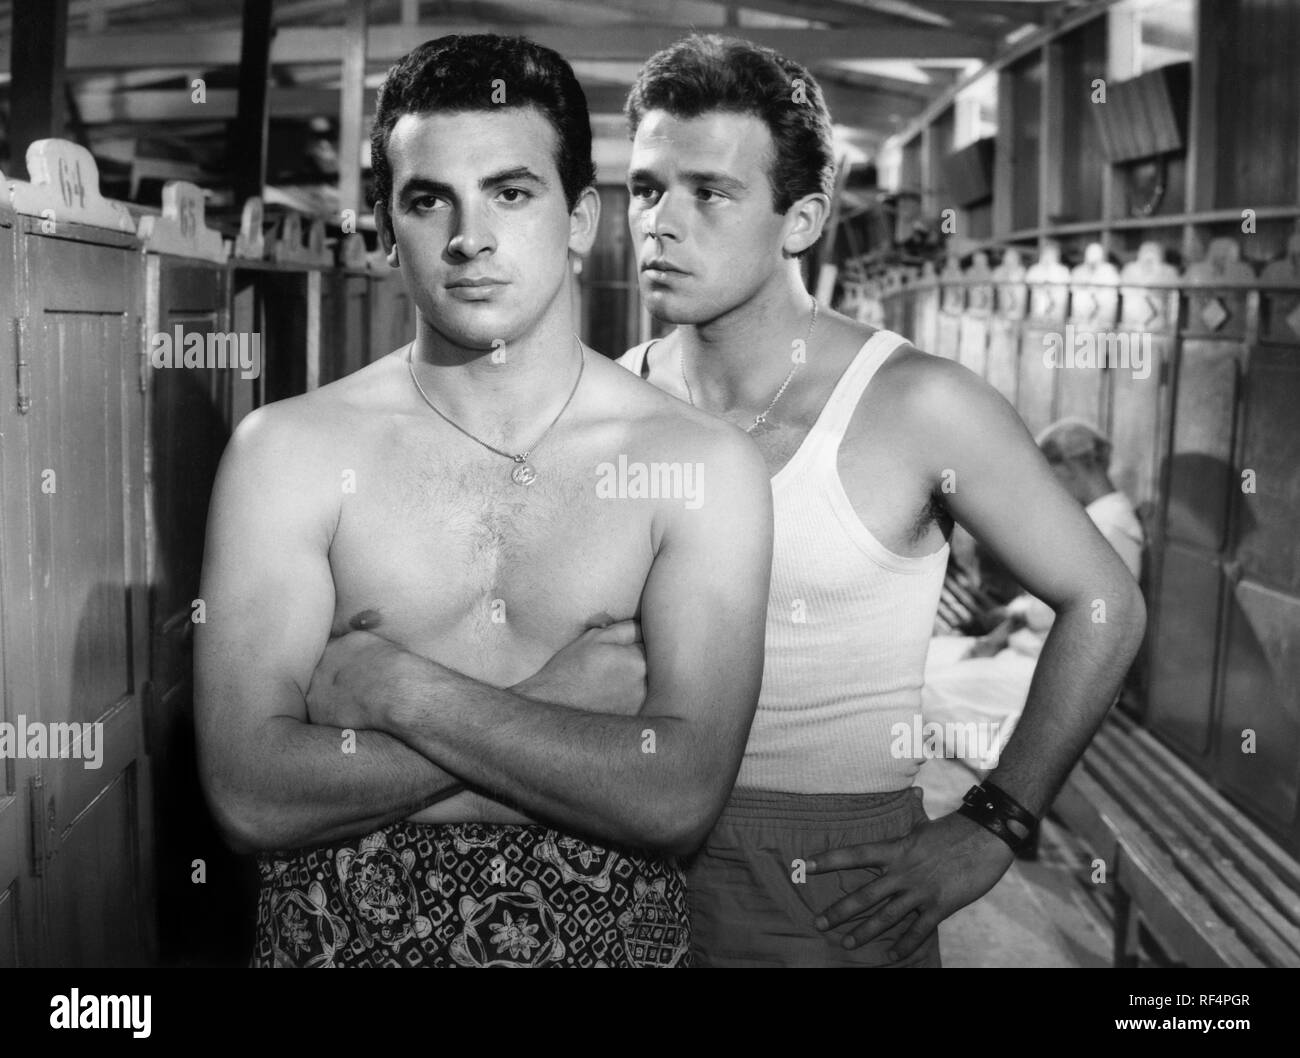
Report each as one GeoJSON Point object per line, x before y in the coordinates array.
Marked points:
{"type": "Point", "coordinates": [369, 387]}
{"type": "Point", "coordinates": [312, 428]}
{"type": "Point", "coordinates": [296, 421]}
{"type": "Point", "coordinates": [921, 387]}
{"type": "Point", "coordinates": [322, 410]}
{"type": "Point", "coordinates": [645, 403]}
{"type": "Point", "coordinates": [655, 425]}
{"type": "Point", "coordinates": [932, 388]}
{"type": "Point", "coordinates": [911, 367]}
{"type": "Point", "coordinates": [937, 409]}
{"type": "Point", "coordinates": [634, 358]}
{"type": "Point", "coordinates": [282, 467]}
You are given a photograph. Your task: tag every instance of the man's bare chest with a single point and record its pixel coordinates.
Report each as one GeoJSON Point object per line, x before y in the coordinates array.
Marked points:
{"type": "Point", "coordinates": [455, 556]}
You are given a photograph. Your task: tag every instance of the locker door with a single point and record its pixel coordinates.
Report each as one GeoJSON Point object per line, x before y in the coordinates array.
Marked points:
{"type": "Point", "coordinates": [345, 333]}
{"type": "Point", "coordinates": [191, 414]}
{"type": "Point", "coordinates": [281, 301]}
{"type": "Point", "coordinates": [972, 342]}
{"type": "Point", "coordinates": [392, 315]}
{"type": "Point", "coordinates": [926, 325]}
{"type": "Point", "coordinates": [1185, 637]}
{"type": "Point", "coordinates": [1261, 663]}
{"type": "Point", "coordinates": [1004, 355]}
{"type": "Point", "coordinates": [1080, 392]}
{"type": "Point", "coordinates": [1037, 382]}
{"type": "Point", "coordinates": [85, 459]}
{"type": "Point", "coordinates": [1036, 385]}
{"type": "Point", "coordinates": [356, 324]}
{"type": "Point", "coordinates": [18, 906]}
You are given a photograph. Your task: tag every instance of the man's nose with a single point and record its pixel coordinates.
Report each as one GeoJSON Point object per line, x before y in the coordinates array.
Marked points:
{"type": "Point", "coordinates": [663, 221]}
{"type": "Point", "coordinates": [473, 235]}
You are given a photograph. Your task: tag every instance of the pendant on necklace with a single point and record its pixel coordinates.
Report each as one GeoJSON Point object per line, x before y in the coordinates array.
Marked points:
{"type": "Point", "coordinates": [523, 474]}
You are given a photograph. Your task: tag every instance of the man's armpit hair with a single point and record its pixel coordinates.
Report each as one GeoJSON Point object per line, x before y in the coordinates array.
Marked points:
{"type": "Point", "coordinates": [934, 512]}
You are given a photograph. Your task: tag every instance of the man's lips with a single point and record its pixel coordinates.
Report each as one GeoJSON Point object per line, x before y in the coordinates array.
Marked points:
{"type": "Point", "coordinates": [475, 281]}
{"type": "Point", "coordinates": [662, 267]}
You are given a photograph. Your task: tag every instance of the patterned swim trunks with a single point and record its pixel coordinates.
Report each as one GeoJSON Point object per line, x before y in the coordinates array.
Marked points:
{"type": "Point", "coordinates": [469, 894]}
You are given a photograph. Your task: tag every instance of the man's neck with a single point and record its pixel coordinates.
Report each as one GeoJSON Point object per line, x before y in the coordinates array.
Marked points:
{"type": "Point", "coordinates": [504, 395]}
{"type": "Point", "coordinates": [741, 357]}
{"type": "Point", "coordinates": [1096, 489]}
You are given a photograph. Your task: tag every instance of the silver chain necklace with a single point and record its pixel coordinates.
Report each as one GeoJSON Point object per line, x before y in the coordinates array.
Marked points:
{"type": "Point", "coordinates": [524, 473]}
{"type": "Point", "coordinates": [761, 417]}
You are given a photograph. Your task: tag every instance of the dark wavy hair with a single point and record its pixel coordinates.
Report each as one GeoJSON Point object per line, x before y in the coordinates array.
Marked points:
{"type": "Point", "coordinates": [705, 72]}
{"type": "Point", "coordinates": [457, 73]}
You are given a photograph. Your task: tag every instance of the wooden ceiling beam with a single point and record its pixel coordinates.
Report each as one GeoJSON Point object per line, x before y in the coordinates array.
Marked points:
{"type": "Point", "coordinates": [901, 9]}
{"type": "Point", "coordinates": [173, 106]}
{"type": "Point", "coordinates": [882, 85]}
{"type": "Point", "coordinates": [849, 105]}
{"type": "Point", "coordinates": [387, 43]}
{"type": "Point", "coordinates": [305, 10]}
{"type": "Point", "coordinates": [711, 14]}
{"type": "Point", "coordinates": [863, 107]}
{"type": "Point", "coordinates": [970, 10]}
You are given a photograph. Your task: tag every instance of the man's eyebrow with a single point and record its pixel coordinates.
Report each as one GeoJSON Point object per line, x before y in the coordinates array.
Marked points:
{"type": "Point", "coordinates": [722, 180]}
{"type": "Point", "coordinates": [512, 176]}
{"type": "Point", "coordinates": [697, 177]}
{"type": "Point", "coordinates": [421, 184]}
{"type": "Point", "coordinates": [426, 185]}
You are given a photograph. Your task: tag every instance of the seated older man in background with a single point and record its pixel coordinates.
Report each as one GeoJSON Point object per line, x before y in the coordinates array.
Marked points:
{"type": "Point", "coordinates": [986, 678]}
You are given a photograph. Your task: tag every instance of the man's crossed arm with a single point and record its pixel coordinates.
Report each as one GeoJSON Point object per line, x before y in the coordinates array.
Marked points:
{"type": "Point", "coordinates": [276, 780]}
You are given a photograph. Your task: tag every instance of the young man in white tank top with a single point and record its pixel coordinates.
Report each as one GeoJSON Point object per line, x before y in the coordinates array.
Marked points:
{"type": "Point", "coordinates": [823, 854]}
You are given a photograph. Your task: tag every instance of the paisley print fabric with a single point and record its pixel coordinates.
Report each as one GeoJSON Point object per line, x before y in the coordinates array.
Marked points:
{"type": "Point", "coordinates": [470, 894]}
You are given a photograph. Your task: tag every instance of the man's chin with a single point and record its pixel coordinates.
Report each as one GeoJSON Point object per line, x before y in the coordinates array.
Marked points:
{"type": "Point", "coordinates": [668, 307]}
{"type": "Point", "coordinates": [478, 328]}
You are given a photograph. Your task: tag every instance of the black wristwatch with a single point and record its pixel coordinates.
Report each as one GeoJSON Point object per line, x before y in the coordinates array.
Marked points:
{"type": "Point", "coordinates": [993, 809]}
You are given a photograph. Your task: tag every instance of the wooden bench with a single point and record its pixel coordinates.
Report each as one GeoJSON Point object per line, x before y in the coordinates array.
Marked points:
{"type": "Point", "coordinates": [963, 604]}
{"type": "Point", "coordinates": [1207, 883]}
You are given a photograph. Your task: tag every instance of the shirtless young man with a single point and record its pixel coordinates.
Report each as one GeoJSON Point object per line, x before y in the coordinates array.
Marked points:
{"type": "Point", "coordinates": [874, 449]}
{"type": "Point", "coordinates": [395, 607]}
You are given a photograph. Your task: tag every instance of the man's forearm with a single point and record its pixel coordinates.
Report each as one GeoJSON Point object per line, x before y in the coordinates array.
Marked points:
{"type": "Point", "coordinates": [1079, 672]}
{"type": "Point", "coordinates": [300, 784]}
{"type": "Point", "coordinates": [633, 780]}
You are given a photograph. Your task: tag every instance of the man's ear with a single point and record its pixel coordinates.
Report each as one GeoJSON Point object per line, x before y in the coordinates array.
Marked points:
{"type": "Point", "coordinates": [583, 221]}
{"type": "Point", "coordinates": [387, 237]}
{"type": "Point", "coordinates": [804, 222]}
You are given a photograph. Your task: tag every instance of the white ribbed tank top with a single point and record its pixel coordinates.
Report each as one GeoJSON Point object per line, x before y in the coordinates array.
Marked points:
{"type": "Point", "coordinates": [848, 622]}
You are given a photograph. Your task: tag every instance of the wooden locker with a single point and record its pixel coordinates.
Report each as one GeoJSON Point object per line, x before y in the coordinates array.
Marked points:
{"type": "Point", "coordinates": [19, 903]}
{"type": "Point", "coordinates": [345, 338]}
{"type": "Point", "coordinates": [1192, 591]}
{"type": "Point", "coordinates": [281, 303]}
{"type": "Point", "coordinates": [1258, 742]}
{"type": "Point", "coordinates": [392, 314]}
{"type": "Point", "coordinates": [79, 272]}
{"type": "Point", "coordinates": [191, 413]}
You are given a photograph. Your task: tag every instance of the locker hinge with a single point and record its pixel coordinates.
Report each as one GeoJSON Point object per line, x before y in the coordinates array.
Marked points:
{"type": "Point", "coordinates": [144, 357]}
{"type": "Point", "coordinates": [40, 825]}
{"type": "Point", "coordinates": [24, 370]}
